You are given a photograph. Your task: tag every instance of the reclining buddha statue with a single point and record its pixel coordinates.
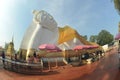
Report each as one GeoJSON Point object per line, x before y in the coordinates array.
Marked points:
{"type": "Point", "coordinates": [44, 30]}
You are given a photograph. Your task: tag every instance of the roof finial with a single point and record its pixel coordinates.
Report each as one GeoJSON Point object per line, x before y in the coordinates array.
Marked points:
{"type": "Point", "coordinates": [12, 38]}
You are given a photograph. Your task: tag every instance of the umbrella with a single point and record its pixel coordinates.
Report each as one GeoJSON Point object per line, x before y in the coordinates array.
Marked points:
{"type": "Point", "coordinates": [49, 47]}
{"type": "Point", "coordinates": [95, 46]}
{"type": "Point", "coordinates": [79, 47]}
{"type": "Point", "coordinates": [117, 37]}
{"type": "Point", "coordinates": [87, 46]}
{"type": "Point", "coordinates": [90, 46]}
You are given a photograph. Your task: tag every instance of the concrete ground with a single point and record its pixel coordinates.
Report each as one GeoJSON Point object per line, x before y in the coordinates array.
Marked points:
{"type": "Point", "coordinates": [104, 69]}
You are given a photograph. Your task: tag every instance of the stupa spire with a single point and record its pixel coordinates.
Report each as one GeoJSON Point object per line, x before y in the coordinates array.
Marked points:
{"type": "Point", "coordinates": [12, 38]}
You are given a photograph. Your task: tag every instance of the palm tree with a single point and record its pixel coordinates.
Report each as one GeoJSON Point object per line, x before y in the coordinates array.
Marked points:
{"type": "Point", "coordinates": [117, 5]}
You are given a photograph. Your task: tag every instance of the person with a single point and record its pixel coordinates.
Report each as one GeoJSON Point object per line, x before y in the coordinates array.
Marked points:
{"type": "Point", "coordinates": [30, 59]}
{"type": "Point", "coordinates": [119, 59]}
{"type": "Point", "coordinates": [3, 57]}
{"type": "Point", "coordinates": [41, 61]}
{"type": "Point", "coordinates": [86, 56]}
{"type": "Point", "coordinates": [119, 53]}
{"type": "Point", "coordinates": [36, 59]}
{"type": "Point", "coordinates": [69, 60]}
{"type": "Point", "coordinates": [21, 55]}
{"type": "Point", "coordinates": [34, 54]}
{"type": "Point", "coordinates": [16, 57]}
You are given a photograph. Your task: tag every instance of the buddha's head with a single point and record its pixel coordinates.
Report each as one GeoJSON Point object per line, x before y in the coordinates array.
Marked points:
{"type": "Point", "coordinates": [44, 19]}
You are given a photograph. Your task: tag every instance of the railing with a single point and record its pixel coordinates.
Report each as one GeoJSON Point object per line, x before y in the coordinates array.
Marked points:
{"type": "Point", "coordinates": [37, 68]}
{"type": "Point", "coordinates": [22, 67]}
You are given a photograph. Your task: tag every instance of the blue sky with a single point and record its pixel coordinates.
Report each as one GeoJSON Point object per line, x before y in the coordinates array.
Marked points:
{"type": "Point", "coordinates": [88, 17]}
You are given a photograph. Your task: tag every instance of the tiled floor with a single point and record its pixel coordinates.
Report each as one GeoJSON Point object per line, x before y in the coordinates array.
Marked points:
{"type": "Point", "coordinates": [104, 69]}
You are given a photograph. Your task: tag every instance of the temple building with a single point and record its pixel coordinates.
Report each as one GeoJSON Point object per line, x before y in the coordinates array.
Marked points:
{"type": "Point", "coordinates": [10, 49]}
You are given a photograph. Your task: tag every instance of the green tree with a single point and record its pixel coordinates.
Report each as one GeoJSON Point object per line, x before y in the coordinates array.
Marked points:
{"type": "Point", "coordinates": [104, 37]}
{"type": "Point", "coordinates": [85, 37]}
{"type": "Point", "coordinates": [93, 38]}
{"type": "Point", "coordinates": [117, 5]}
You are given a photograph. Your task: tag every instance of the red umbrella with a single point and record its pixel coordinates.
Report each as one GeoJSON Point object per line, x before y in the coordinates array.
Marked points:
{"type": "Point", "coordinates": [90, 46]}
{"type": "Point", "coordinates": [95, 46]}
{"type": "Point", "coordinates": [49, 47]}
{"type": "Point", "coordinates": [87, 47]}
{"type": "Point", "coordinates": [79, 47]}
{"type": "Point", "coordinates": [117, 37]}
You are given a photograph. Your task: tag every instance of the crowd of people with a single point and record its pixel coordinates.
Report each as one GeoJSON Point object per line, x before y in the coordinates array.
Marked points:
{"type": "Point", "coordinates": [31, 58]}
